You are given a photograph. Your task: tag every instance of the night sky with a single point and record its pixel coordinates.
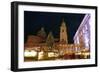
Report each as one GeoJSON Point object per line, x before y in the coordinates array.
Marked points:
{"type": "Point", "coordinates": [33, 21]}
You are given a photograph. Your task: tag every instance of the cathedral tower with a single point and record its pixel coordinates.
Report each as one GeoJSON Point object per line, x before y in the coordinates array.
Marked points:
{"type": "Point", "coordinates": [63, 33]}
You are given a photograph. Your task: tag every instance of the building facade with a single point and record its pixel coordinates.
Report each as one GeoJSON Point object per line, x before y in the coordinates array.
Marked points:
{"type": "Point", "coordinates": [82, 35]}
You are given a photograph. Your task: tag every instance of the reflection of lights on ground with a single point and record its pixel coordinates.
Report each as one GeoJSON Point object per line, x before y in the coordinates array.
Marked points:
{"type": "Point", "coordinates": [28, 53]}
{"type": "Point", "coordinates": [40, 56]}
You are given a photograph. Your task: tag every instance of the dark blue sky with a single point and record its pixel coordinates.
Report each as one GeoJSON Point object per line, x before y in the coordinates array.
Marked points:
{"type": "Point", "coordinates": [33, 21]}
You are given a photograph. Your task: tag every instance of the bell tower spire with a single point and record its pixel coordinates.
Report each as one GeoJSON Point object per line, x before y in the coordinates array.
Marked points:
{"type": "Point", "coordinates": [63, 32]}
